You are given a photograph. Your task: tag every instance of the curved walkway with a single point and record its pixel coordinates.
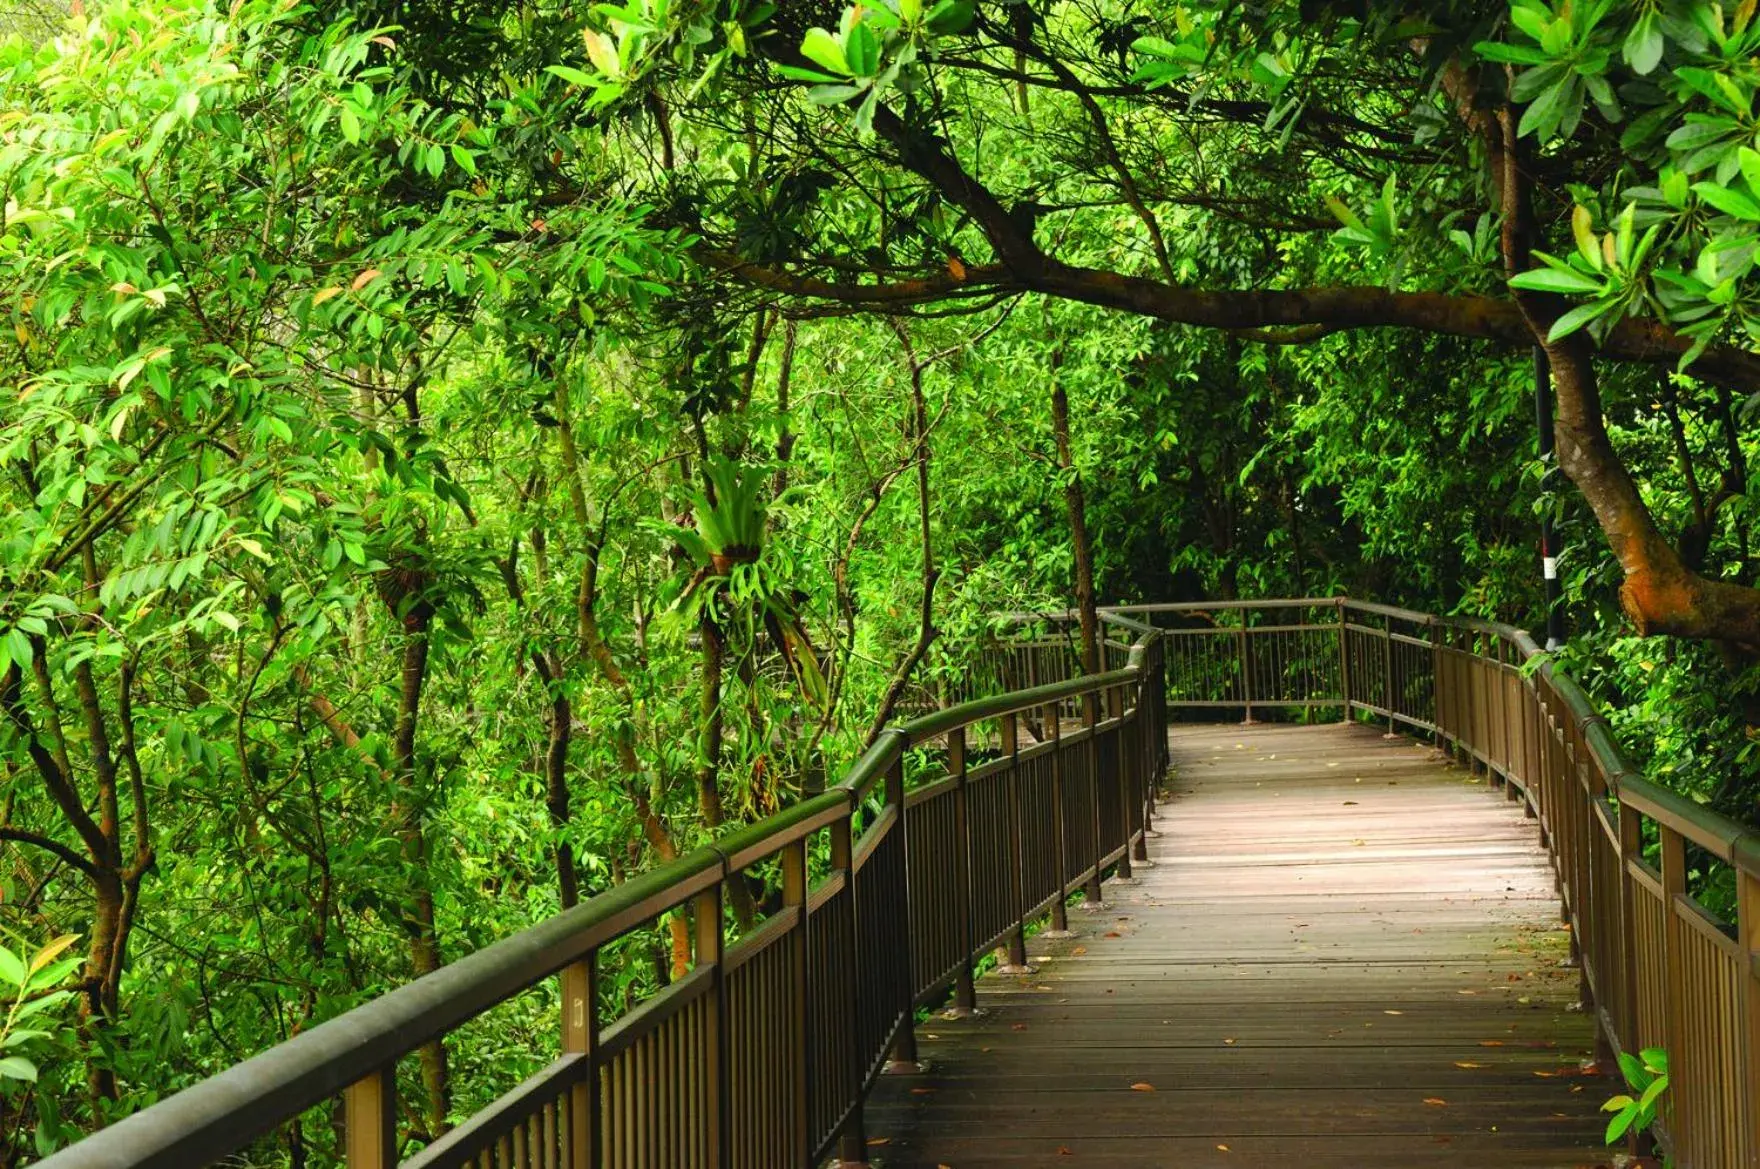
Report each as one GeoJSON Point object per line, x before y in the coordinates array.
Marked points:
{"type": "Point", "coordinates": [1347, 952]}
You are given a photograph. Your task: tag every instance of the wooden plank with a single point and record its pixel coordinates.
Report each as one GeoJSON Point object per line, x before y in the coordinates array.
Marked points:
{"type": "Point", "coordinates": [1344, 951]}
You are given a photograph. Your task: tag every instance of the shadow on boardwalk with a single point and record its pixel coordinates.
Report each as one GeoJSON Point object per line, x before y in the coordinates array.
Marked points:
{"type": "Point", "coordinates": [1347, 952]}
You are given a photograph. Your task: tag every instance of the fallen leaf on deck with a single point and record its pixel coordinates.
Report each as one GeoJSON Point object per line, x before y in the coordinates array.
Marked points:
{"type": "Point", "coordinates": [1467, 1063]}
{"type": "Point", "coordinates": [1141, 1086]}
{"type": "Point", "coordinates": [1436, 1101]}
{"type": "Point", "coordinates": [1393, 1012]}
{"type": "Point", "coordinates": [879, 1140]}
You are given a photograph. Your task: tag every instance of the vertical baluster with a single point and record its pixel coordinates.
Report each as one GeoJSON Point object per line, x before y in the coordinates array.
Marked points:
{"type": "Point", "coordinates": [369, 1110]}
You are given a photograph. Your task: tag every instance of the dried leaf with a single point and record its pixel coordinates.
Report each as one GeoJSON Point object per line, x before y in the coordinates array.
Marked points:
{"type": "Point", "coordinates": [1436, 1101]}
{"type": "Point", "coordinates": [364, 279]}
{"type": "Point", "coordinates": [1142, 1086]}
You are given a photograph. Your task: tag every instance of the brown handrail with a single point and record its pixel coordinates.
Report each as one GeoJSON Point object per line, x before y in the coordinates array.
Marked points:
{"type": "Point", "coordinates": [1659, 967]}
{"type": "Point", "coordinates": [761, 1055]}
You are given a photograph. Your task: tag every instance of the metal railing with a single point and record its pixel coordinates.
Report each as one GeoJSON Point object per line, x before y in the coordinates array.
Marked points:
{"type": "Point", "coordinates": [1660, 967]}
{"type": "Point", "coordinates": [883, 892]}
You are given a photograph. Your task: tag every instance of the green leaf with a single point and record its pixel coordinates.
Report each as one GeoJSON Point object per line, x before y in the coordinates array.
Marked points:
{"type": "Point", "coordinates": [18, 647]}
{"type": "Point", "coordinates": [12, 968]}
{"type": "Point", "coordinates": [1530, 18]}
{"type": "Point", "coordinates": [1653, 1092]}
{"type": "Point", "coordinates": [824, 49]}
{"type": "Point", "coordinates": [1578, 317]}
{"type": "Point", "coordinates": [1511, 54]}
{"type": "Point", "coordinates": [951, 16]}
{"type": "Point", "coordinates": [16, 1067]}
{"type": "Point", "coordinates": [795, 73]}
{"type": "Point", "coordinates": [572, 75]}
{"type": "Point", "coordinates": [1643, 45]}
{"type": "Point", "coordinates": [1728, 201]}
{"type": "Point", "coordinates": [862, 50]}
{"type": "Point", "coordinates": [1555, 280]}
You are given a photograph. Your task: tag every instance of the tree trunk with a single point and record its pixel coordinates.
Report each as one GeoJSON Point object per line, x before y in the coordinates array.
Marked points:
{"type": "Point", "coordinates": [1076, 505]}
{"type": "Point", "coordinates": [926, 632]}
{"type": "Point", "coordinates": [408, 814]}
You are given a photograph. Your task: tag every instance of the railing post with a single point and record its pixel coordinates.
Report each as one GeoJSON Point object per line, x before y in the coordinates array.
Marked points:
{"type": "Point", "coordinates": [852, 1138]}
{"type": "Point", "coordinates": [1017, 885]}
{"type": "Point", "coordinates": [1142, 732]}
{"type": "Point", "coordinates": [710, 934]}
{"type": "Point", "coordinates": [1673, 866]}
{"type": "Point", "coordinates": [369, 1111]}
{"type": "Point", "coordinates": [1438, 690]}
{"type": "Point", "coordinates": [1246, 672]}
{"type": "Point", "coordinates": [965, 998]}
{"type": "Point", "coordinates": [1387, 669]}
{"type": "Point", "coordinates": [1748, 932]}
{"type": "Point", "coordinates": [580, 1036]}
{"type": "Point", "coordinates": [1093, 899]}
{"type": "Point", "coordinates": [1631, 844]}
{"type": "Point", "coordinates": [1123, 770]}
{"type": "Point", "coordinates": [1344, 659]}
{"type": "Point", "coordinates": [794, 900]}
{"type": "Point", "coordinates": [904, 1046]}
{"type": "Point", "coordinates": [1060, 829]}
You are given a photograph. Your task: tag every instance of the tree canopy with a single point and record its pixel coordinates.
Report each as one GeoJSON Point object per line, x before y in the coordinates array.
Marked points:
{"type": "Point", "coordinates": [455, 456]}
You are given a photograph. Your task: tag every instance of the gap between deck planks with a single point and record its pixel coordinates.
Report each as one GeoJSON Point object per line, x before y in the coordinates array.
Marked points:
{"type": "Point", "coordinates": [1346, 953]}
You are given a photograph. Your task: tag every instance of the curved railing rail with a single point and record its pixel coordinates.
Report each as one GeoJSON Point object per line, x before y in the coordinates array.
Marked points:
{"type": "Point", "coordinates": [1661, 967]}
{"type": "Point", "coordinates": [886, 893]}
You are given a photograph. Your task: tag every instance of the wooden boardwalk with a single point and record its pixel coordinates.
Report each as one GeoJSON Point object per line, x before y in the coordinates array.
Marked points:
{"type": "Point", "coordinates": [1347, 952]}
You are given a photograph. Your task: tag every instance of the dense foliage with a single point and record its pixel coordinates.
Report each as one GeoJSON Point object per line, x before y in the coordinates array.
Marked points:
{"type": "Point", "coordinates": [456, 456]}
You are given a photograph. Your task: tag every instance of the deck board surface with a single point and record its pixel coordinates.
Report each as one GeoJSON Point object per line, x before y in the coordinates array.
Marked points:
{"type": "Point", "coordinates": [1347, 952]}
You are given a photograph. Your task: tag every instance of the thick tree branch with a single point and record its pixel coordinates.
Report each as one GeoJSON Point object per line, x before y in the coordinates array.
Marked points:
{"type": "Point", "coordinates": [1333, 308]}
